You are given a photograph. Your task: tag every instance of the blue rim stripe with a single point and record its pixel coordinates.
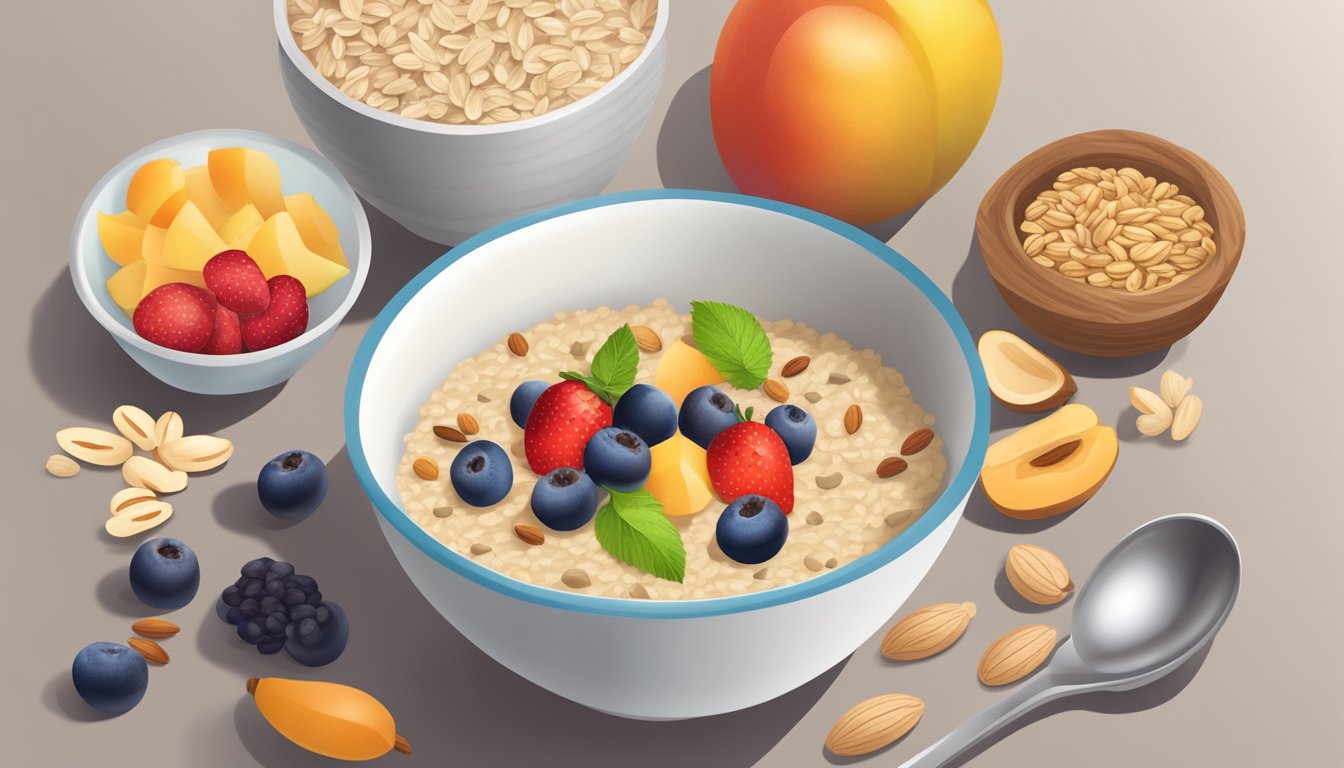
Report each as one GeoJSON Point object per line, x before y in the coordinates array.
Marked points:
{"type": "Point", "coordinates": [942, 508]}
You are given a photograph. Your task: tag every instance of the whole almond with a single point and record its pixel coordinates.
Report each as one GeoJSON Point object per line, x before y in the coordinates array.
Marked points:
{"type": "Point", "coordinates": [1057, 454]}
{"type": "Point", "coordinates": [891, 467]}
{"type": "Point", "coordinates": [1037, 574]}
{"type": "Point", "coordinates": [138, 518]}
{"type": "Point", "coordinates": [1152, 424]}
{"type": "Point", "coordinates": [95, 446]}
{"type": "Point", "coordinates": [530, 534]}
{"type": "Point", "coordinates": [155, 629]}
{"type": "Point", "coordinates": [1016, 654]}
{"type": "Point", "coordinates": [425, 469]}
{"type": "Point", "coordinates": [795, 366]}
{"type": "Point", "coordinates": [776, 390]}
{"type": "Point", "coordinates": [1187, 417]}
{"type": "Point", "coordinates": [468, 424]}
{"type": "Point", "coordinates": [168, 428]}
{"type": "Point", "coordinates": [646, 339]}
{"type": "Point", "coordinates": [147, 473]}
{"type": "Point", "coordinates": [451, 434]}
{"type": "Point", "coordinates": [129, 497]}
{"type": "Point", "coordinates": [928, 631]}
{"type": "Point", "coordinates": [1174, 388]}
{"type": "Point", "coordinates": [60, 465]}
{"type": "Point", "coordinates": [1148, 401]}
{"type": "Point", "coordinates": [152, 651]}
{"type": "Point", "coordinates": [853, 418]}
{"type": "Point", "coordinates": [135, 425]}
{"type": "Point", "coordinates": [873, 724]}
{"type": "Point", "coordinates": [517, 344]}
{"type": "Point", "coordinates": [195, 453]}
{"type": "Point", "coordinates": [917, 441]}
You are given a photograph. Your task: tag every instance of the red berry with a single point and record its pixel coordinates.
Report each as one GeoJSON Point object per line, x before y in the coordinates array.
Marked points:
{"type": "Point", "coordinates": [285, 318]}
{"type": "Point", "coordinates": [237, 282]}
{"type": "Point", "coordinates": [177, 316]}
{"type": "Point", "coordinates": [564, 417]}
{"type": "Point", "coordinates": [228, 336]}
{"type": "Point", "coordinates": [751, 458]}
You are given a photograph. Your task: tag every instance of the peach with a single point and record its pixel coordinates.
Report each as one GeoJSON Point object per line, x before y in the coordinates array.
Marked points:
{"type": "Point", "coordinates": [122, 235]}
{"type": "Point", "coordinates": [190, 240]}
{"type": "Point", "coordinates": [127, 286]}
{"type": "Point", "coordinates": [860, 109]}
{"type": "Point", "coordinates": [241, 227]}
{"type": "Point", "coordinates": [202, 192]}
{"type": "Point", "coordinates": [316, 227]}
{"type": "Point", "coordinates": [679, 479]}
{"type": "Point", "coordinates": [157, 191]}
{"type": "Point", "coordinates": [682, 369]}
{"type": "Point", "coordinates": [241, 175]}
{"type": "Point", "coordinates": [1050, 466]}
{"type": "Point", "coordinates": [278, 249]}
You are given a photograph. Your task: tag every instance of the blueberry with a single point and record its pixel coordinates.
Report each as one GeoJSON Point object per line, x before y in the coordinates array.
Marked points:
{"type": "Point", "coordinates": [524, 397]}
{"type": "Point", "coordinates": [648, 412]}
{"type": "Point", "coordinates": [481, 473]}
{"type": "Point", "coordinates": [291, 486]}
{"type": "Point", "coordinates": [335, 633]}
{"type": "Point", "coordinates": [165, 573]}
{"type": "Point", "coordinates": [797, 428]}
{"type": "Point", "coordinates": [565, 499]}
{"type": "Point", "coordinates": [752, 529]}
{"type": "Point", "coordinates": [704, 414]}
{"type": "Point", "coordinates": [110, 677]}
{"type": "Point", "coordinates": [617, 459]}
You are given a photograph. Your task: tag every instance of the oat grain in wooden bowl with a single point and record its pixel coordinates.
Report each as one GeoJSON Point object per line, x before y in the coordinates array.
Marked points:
{"type": "Point", "coordinates": [1068, 303]}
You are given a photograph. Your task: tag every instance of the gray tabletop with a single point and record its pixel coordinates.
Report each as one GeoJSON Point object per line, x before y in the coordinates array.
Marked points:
{"type": "Point", "coordinates": [1252, 86]}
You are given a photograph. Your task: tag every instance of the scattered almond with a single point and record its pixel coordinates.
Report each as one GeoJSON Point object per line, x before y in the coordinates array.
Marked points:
{"type": "Point", "coordinates": [1187, 417]}
{"type": "Point", "coordinates": [853, 418]}
{"type": "Point", "coordinates": [135, 425]}
{"type": "Point", "coordinates": [143, 472]}
{"type": "Point", "coordinates": [795, 366]}
{"type": "Point", "coordinates": [168, 428]}
{"type": "Point", "coordinates": [517, 344]}
{"type": "Point", "coordinates": [1057, 454]}
{"type": "Point", "coordinates": [468, 424]}
{"type": "Point", "coordinates": [891, 467]}
{"type": "Point", "coordinates": [155, 629]}
{"type": "Point", "coordinates": [451, 434]}
{"type": "Point", "coordinates": [480, 549]}
{"type": "Point", "coordinates": [1016, 654]}
{"type": "Point", "coordinates": [425, 469]}
{"type": "Point", "coordinates": [1148, 402]}
{"type": "Point", "coordinates": [927, 632]}
{"type": "Point", "coordinates": [152, 651]}
{"type": "Point", "coordinates": [646, 339]}
{"type": "Point", "coordinates": [128, 497]}
{"type": "Point", "coordinates": [575, 578]}
{"type": "Point", "coordinates": [529, 534]}
{"type": "Point", "coordinates": [95, 446]}
{"type": "Point", "coordinates": [917, 441]}
{"type": "Point", "coordinates": [60, 465]}
{"type": "Point", "coordinates": [1037, 574]}
{"type": "Point", "coordinates": [196, 453]}
{"type": "Point", "coordinates": [1152, 425]}
{"type": "Point", "coordinates": [776, 390]}
{"type": "Point", "coordinates": [1174, 388]}
{"type": "Point", "coordinates": [138, 518]}
{"type": "Point", "coordinates": [873, 724]}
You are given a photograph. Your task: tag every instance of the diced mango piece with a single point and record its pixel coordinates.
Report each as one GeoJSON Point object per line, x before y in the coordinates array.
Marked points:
{"type": "Point", "coordinates": [279, 250]}
{"type": "Point", "coordinates": [157, 273]}
{"type": "Point", "coordinates": [157, 191]}
{"type": "Point", "coordinates": [151, 248]}
{"type": "Point", "coordinates": [242, 175]}
{"type": "Point", "coordinates": [122, 235]}
{"type": "Point", "coordinates": [202, 192]}
{"type": "Point", "coordinates": [242, 225]}
{"type": "Point", "coordinates": [679, 478]}
{"type": "Point", "coordinates": [127, 286]}
{"type": "Point", "coordinates": [682, 369]}
{"type": "Point", "coordinates": [191, 241]}
{"type": "Point", "coordinates": [316, 227]}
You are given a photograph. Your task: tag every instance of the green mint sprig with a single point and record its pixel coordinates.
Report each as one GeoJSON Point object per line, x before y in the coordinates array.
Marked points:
{"type": "Point", "coordinates": [633, 528]}
{"type": "Point", "coordinates": [733, 340]}
{"type": "Point", "coordinates": [614, 366]}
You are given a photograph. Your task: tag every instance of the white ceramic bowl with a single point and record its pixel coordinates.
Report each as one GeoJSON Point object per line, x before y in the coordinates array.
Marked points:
{"type": "Point", "coordinates": [642, 658]}
{"type": "Point", "coordinates": [448, 182]}
{"type": "Point", "coordinates": [302, 170]}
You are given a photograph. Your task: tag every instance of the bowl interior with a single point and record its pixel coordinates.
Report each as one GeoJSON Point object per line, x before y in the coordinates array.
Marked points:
{"type": "Point", "coordinates": [778, 261]}
{"type": "Point", "coordinates": [301, 170]}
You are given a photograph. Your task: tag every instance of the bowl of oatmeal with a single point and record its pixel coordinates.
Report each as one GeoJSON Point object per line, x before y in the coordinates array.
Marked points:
{"type": "Point", "coordinates": [457, 115]}
{"type": "Point", "coordinates": [677, 296]}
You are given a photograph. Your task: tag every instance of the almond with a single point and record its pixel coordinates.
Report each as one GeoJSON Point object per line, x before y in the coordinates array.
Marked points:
{"type": "Point", "coordinates": [1174, 388]}
{"type": "Point", "coordinates": [873, 724]}
{"type": "Point", "coordinates": [517, 344]}
{"type": "Point", "coordinates": [128, 497]}
{"type": "Point", "coordinates": [891, 467]}
{"type": "Point", "coordinates": [646, 339]}
{"type": "Point", "coordinates": [60, 465]}
{"type": "Point", "coordinates": [152, 651]}
{"type": "Point", "coordinates": [853, 418]}
{"type": "Point", "coordinates": [155, 629]}
{"type": "Point", "coordinates": [135, 425]}
{"type": "Point", "coordinates": [1016, 654]}
{"type": "Point", "coordinates": [927, 632]}
{"type": "Point", "coordinates": [1148, 401]}
{"type": "Point", "coordinates": [468, 424]}
{"type": "Point", "coordinates": [168, 428]}
{"type": "Point", "coordinates": [917, 441]}
{"type": "Point", "coordinates": [95, 446]}
{"type": "Point", "coordinates": [1187, 417]}
{"type": "Point", "coordinates": [138, 518]}
{"type": "Point", "coordinates": [1037, 574]}
{"type": "Point", "coordinates": [195, 453]}
{"type": "Point", "coordinates": [795, 366]}
{"type": "Point", "coordinates": [776, 390]}
{"type": "Point", "coordinates": [143, 472]}
{"type": "Point", "coordinates": [1152, 425]}
{"type": "Point", "coordinates": [530, 534]}
{"type": "Point", "coordinates": [1057, 454]}
{"type": "Point", "coordinates": [425, 469]}
{"type": "Point", "coordinates": [451, 434]}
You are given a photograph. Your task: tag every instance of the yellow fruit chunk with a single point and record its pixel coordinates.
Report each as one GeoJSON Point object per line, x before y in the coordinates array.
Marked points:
{"type": "Point", "coordinates": [126, 287]}
{"type": "Point", "coordinates": [202, 192]}
{"type": "Point", "coordinates": [241, 175]}
{"type": "Point", "coordinates": [156, 274]}
{"type": "Point", "coordinates": [157, 191]}
{"type": "Point", "coordinates": [328, 719]}
{"type": "Point", "coordinates": [151, 248]}
{"type": "Point", "coordinates": [679, 479]}
{"type": "Point", "coordinates": [683, 369]}
{"type": "Point", "coordinates": [239, 230]}
{"type": "Point", "coordinates": [1050, 466]}
{"type": "Point", "coordinates": [279, 250]}
{"type": "Point", "coordinates": [122, 235]}
{"type": "Point", "coordinates": [316, 227]}
{"type": "Point", "coordinates": [190, 241]}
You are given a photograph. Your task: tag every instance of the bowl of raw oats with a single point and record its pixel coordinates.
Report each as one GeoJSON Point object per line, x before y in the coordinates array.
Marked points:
{"type": "Point", "coordinates": [453, 116]}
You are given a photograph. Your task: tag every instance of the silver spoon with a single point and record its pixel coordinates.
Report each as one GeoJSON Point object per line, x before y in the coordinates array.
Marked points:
{"type": "Point", "coordinates": [1152, 603]}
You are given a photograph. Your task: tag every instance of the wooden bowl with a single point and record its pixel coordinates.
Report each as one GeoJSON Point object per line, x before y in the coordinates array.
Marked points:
{"type": "Point", "coordinates": [1081, 317]}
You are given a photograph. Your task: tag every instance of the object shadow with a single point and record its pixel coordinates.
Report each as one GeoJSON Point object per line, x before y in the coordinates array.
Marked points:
{"type": "Point", "coordinates": [1009, 596]}
{"type": "Point", "coordinates": [59, 696]}
{"type": "Point", "coordinates": [398, 256]}
{"type": "Point", "coordinates": [115, 595]}
{"type": "Point", "coordinates": [982, 513]}
{"type": "Point", "coordinates": [80, 366]}
{"type": "Point", "coordinates": [238, 509]}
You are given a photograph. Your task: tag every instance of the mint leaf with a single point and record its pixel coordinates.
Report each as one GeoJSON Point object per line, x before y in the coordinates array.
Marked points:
{"type": "Point", "coordinates": [614, 366]}
{"type": "Point", "coordinates": [633, 528]}
{"type": "Point", "coordinates": [734, 342]}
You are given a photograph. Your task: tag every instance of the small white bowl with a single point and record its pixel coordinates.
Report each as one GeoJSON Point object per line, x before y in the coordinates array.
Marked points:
{"type": "Point", "coordinates": [301, 170]}
{"type": "Point", "coordinates": [448, 182]}
{"type": "Point", "coordinates": [666, 659]}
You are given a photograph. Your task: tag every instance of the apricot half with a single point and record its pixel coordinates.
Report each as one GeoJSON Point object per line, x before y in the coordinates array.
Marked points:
{"type": "Point", "coordinates": [1051, 466]}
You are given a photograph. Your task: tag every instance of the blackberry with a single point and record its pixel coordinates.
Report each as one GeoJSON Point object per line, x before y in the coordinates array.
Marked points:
{"type": "Point", "coordinates": [274, 607]}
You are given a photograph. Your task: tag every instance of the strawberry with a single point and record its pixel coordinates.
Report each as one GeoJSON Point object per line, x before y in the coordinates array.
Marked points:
{"type": "Point", "coordinates": [285, 318]}
{"type": "Point", "coordinates": [564, 417]}
{"type": "Point", "coordinates": [228, 336]}
{"type": "Point", "coordinates": [237, 282]}
{"type": "Point", "coordinates": [177, 316]}
{"type": "Point", "coordinates": [750, 457]}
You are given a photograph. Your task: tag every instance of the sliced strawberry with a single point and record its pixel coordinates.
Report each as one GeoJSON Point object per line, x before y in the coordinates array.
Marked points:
{"type": "Point", "coordinates": [564, 417]}
{"type": "Point", "coordinates": [228, 336]}
{"type": "Point", "coordinates": [749, 457]}
{"type": "Point", "coordinates": [237, 282]}
{"type": "Point", "coordinates": [177, 316]}
{"type": "Point", "coordinates": [285, 318]}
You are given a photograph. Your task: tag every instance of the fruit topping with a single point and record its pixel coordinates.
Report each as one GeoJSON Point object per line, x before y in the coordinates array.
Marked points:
{"type": "Point", "coordinates": [648, 412]}
{"type": "Point", "coordinates": [750, 458]}
{"type": "Point", "coordinates": [564, 417]}
{"type": "Point", "coordinates": [177, 316]}
{"type": "Point", "coordinates": [752, 529]}
{"type": "Point", "coordinates": [565, 499]}
{"type": "Point", "coordinates": [705, 413]}
{"type": "Point", "coordinates": [617, 459]}
{"type": "Point", "coordinates": [797, 428]}
{"type": "Point", "coordinates": [481, 473]}
{"type": "Point", "coordinates": [237, 282]}
{"type": "Point", "coordinates": [285, 318]}
{"type": "Point", "coordinates": [524, 397]}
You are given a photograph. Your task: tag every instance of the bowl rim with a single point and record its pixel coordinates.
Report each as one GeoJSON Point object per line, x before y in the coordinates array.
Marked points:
{"type": "Point", "coordinates": [953, 495]}
{"type": "Point", "coordinates": [84, 286]}
{"type": "Point", "coordinates": [300, 62]}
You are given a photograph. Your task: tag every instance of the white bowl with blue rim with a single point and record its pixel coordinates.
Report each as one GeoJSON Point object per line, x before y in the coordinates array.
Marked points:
{"type": "Point", "coordinates": [666, 659]}
{"type": "Point", "coordinates": [301, 170]}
